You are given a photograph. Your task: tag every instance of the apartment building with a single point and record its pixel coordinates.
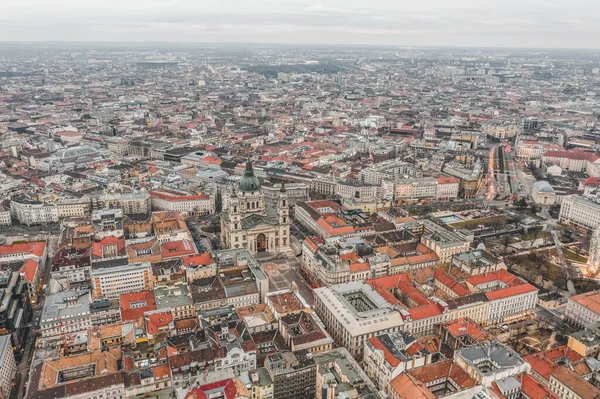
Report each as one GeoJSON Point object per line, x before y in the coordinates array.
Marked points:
{"type": "Point", "coordinates": [111, 281]}
{"type": "Point", "coordinates": [95, 374]}
{"type": "Point", "coordinates": [21, 252]}
{"type": "Point", "coordinates": [444, 243]}
{"type": "Point", "coordinates": [339, 375]}
{"type": "Point", "coordinates": [65, 312]}
{"type": "Point", "coordinates": [510, 298]}
{"type": "Point", "coordinates": [71, 265]}
{"type": "Point", "coordinates": [490, 361]}
{"type": "Point", "coordinates": [8, 367]}
{"type": "Point", "coordinates": [354, 189]}
{"type": "Point", "coordinates": [293, 375]}
{"type": "Point", "coordinates": [447, 187]}
{"type": "Point", "coordinates": [477, 262]}
{"type": "Point", "coordinates": [568, 385]}
{"type": "Point", "coordinates": [583, 310]}
{"type": "Point", "coordinates": [323, 187]}
{"type": "Point", "coordinates": [327, 268]}
{"type": "Point", "coordinates": [390, 354]}
{"type": "Point", "coordinates": [129, 203]}
{"type": "Point", "coordinates": [32, 212]}
{"type": "Point", "coordinates": [579, 212]}
{"type": "Point", "coordinates": [175, 298]}
{"type": "Point", "coordinates": [70, 207]}
{"type": "Point", "coordinates": [296, 192]}
{"type": "Point", "coordinates": [575, 161]}
{"type": "Point", "coordinates": [169, 200]}
{"type": "Point", "coordinates": [5, 217]}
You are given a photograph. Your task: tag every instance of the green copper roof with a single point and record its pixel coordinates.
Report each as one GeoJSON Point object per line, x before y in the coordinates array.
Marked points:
{"type": "Point", "coordinates": [249, 182]}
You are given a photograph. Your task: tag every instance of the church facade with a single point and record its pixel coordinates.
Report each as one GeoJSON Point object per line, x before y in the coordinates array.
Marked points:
{"type": "Point", "coordinates": [251, 224]}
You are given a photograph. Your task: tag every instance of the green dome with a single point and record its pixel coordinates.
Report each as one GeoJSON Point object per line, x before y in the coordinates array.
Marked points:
{"type": "Point", "coordinates": [249, 182]}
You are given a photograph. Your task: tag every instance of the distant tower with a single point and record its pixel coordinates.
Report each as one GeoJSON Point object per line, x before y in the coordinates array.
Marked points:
{"type": "Point", "coordinates": [283, 205]}
{"type": "Point", "coordinates": [235, 223]}
{"type": "Point", "coordinates": [508, 63]}
{"type": "Point", "coordinates": [593, 262]}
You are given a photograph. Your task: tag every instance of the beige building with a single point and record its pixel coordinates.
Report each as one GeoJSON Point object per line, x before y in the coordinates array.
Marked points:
{"type": "Point", "coordinates": [567, 384]}
{"type": "Point", "coordinates": [323, 187]}
{"type": "Point", "coordinates": [175, 298]}
{"type": "Point", "coordinates": [262, 384]}
{"type": "Point", "coordinates": [250, 224]}
{"type": "Point", "coordinates": [70, 207]}
{"type": "Point", "coordinates": [443, 242]}
{"type": "Point", "coordinates": [129, 203]}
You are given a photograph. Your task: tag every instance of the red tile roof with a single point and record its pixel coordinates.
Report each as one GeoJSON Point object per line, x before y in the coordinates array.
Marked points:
{"type": "Point", "coordinates": [423, 312]}
{"type": "Point", "coordinates": [176, 197]}
{"type": "Point", "coordinates": [156, 320]}
{"type": "Point", "coordinates": [359, 267]}
{"type": "Point", "coordinates": [227, 387]}
{"type": "Point", "coordinates": [203, 259]}
{"type": "Point", "coordinates": [450, 283]}
{"type": "Point", "coordinates": [177, 248]}
{"type": "Point", "coordinates": [466, 326]}
{"type": "Point", "coordinates": [541, 365]}
{"type": "Point", "coordinates": [500, 275]}
{"type": "Point", "coordinates": [35, 247]}
{"type": "Point", "coordinates": [447, 180]}
{"type": "Point", "coordinates": [575, 154]}
{"type": "Point", "coordinates": [590, 300]}
{"type": "Point", "coordinates": [128, 313]}
{"type": "Point", "coordinates": [29, 269]}
{"type": "Point", "coordinates": [510, 291]}
{"type": "Point", "coordinates": [534, 390]}
{"type": "Point", "coordinates": [389, 356]}
{"type": "Point", "coordinates": [109, 240]}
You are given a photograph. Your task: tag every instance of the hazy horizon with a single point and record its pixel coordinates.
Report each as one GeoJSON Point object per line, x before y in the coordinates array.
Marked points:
{"type": "Point", "coordinates": [430, 23]}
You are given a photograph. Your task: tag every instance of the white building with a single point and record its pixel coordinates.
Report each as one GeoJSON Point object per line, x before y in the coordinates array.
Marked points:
{"type": "Point", "coordinates": [354, 312]}
{"type": "Point", "coordinates": [574, 161]}
{"type": "Point", "coordinates": [584, 309]}
{"type": "Point", "coordinates": [111, 282]}
{"type": "Point", "coordinates": [168, 200]}
{"type": "Point", "coordinates": [5, 218]}
{"type": "Point", "coordinates": [324, 187]}
{"type": "Point", "coordinates": [491, 361]}
{"type": "Point", "coordinates": [8, 366]}
{"type": "Point", "coordinates": [31, 212]}
{"type": "Point", "coordinates": [447, 187]}
{"type": "Point", "coordinates": [296, 192]}
{"type": "Point", "coordinates": [542, 193]}
{"type": "Point", "coordinates": [354, 189]}
{"type": "Point", "coordinates": [510, 298]}
{"type": "Point", "coordinates": [65, 312]}
{"type": "Point", "coordinates": [579, 212]}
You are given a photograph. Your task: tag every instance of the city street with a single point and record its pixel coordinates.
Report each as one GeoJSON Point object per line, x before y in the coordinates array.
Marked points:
{"type": "Point", "coordinates": [24, 365]}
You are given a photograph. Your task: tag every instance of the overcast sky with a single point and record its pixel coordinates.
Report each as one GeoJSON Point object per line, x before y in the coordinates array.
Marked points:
{"type": "Point", "coordinates": [507, 23]}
